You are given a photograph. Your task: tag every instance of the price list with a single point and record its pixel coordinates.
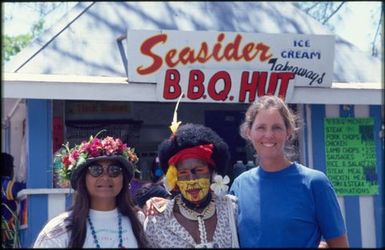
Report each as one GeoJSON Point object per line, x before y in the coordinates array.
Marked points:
{"type": "Point", "coordinates": [350, 155]}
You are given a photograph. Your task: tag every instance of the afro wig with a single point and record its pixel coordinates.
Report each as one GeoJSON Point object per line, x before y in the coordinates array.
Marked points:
{"type": "Point", "coordinates": [190, 135]}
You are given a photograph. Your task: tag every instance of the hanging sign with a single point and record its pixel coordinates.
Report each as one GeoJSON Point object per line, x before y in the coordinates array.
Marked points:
{"type": "Point", "coordinates": [350, 155]}
{"type": "Point", "coordinates": [211, 66]}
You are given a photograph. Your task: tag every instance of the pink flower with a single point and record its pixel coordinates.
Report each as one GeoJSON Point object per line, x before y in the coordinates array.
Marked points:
{"type": "Point", "coordinates": [109, 145]}
{"type": "Point", "coordinates": [74, 156]}
{"type": "Point", "coordinates": [83, 147]}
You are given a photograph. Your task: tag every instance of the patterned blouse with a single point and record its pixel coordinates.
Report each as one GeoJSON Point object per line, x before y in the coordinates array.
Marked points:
{"type": "Point", "coordinates": [164, 230]}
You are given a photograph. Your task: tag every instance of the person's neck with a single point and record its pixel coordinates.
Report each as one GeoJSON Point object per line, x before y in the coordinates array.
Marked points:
{"type": "Point", "coordinates": [274, 165]}
{"type": "Point", "coordinates": [103, 205]}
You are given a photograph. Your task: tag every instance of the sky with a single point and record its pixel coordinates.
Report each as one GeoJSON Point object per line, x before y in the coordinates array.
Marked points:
{"type": "Point", "coordinates": [357, 24]}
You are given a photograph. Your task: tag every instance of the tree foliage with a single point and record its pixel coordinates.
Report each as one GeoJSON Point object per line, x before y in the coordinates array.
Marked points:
{"type": "Point", "coordinates": [11, 45]}
{"type": "Point", "coordinates": [325, 11]}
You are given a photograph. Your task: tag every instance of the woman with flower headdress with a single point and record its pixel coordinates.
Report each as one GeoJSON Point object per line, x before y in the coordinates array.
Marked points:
{"type": "Point", "coordinates": [193, 159]}
{"type": "Point", "coordinates": [102, 214]}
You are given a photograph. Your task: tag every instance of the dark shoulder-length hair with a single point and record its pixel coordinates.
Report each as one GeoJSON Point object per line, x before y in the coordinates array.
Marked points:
{"type": "Point", "coordinates": [77, 221]}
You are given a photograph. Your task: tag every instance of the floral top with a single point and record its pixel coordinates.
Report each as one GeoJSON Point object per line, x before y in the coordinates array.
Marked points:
{"type": "Point", "coordinates": [164, 230]}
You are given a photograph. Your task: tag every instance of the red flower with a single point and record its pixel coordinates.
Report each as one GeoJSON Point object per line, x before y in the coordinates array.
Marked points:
{"type": "Point", "coordinates": [66, 161]}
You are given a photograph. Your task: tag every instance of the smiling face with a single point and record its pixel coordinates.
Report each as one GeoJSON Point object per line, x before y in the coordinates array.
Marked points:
{"type": "Point", "coordinates": [104, 189]}
{"type": "Point", "coordinates": [268, 135]}
{"type": "Point", "coordinates": [193, 179]}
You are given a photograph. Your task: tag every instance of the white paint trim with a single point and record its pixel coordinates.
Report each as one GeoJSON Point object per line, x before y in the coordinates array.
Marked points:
{"type": "Point", "coordinates": [56, 204]}
{"type": "Point", "coordinates": [332, 111]}
{"type": "Point", "coordinates": [368, 225]}
{"type": "Point", "coordinates": [30, 191]}
{"type": "Point", "coordinates": [67, 87]}
{"type": "Point", "coordinates": [361, 111]}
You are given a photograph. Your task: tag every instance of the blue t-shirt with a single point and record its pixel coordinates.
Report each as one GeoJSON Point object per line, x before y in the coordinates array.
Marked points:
{"type": "Point", "coordinates": [292, 207]}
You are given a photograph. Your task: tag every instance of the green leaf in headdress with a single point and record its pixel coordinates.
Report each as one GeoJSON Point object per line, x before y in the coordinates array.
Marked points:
{"type": "Point", "coordinates": [81, 160]}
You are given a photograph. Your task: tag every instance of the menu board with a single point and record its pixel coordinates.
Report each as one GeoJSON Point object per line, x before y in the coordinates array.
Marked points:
{"type": "Point", "coordinates": [350, 155]}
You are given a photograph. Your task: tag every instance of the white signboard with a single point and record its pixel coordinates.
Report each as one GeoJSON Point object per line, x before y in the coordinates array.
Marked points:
{"type": "Point", "coordinates": [210, 66]}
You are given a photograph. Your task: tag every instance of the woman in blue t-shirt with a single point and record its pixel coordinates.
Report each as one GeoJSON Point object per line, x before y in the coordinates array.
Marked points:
{"type": "Point", "coordinates": [283, 203]}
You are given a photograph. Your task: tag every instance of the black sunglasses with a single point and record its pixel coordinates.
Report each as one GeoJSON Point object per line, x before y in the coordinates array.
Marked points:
{"type": "Point", "coordinates": [97, 170]}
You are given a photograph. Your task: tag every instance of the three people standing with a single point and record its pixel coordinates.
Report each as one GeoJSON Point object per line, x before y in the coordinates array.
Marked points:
{"type": "Point", "coordinates": [279, 203]}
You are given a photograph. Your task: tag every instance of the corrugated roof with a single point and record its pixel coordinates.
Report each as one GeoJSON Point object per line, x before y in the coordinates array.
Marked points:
{"type": "Point", "coordinates": [84, 42]}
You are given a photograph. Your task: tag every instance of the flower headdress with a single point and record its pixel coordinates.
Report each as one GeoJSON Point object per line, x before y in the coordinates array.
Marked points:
{"type": "Point", "coordinates": [72, 160]}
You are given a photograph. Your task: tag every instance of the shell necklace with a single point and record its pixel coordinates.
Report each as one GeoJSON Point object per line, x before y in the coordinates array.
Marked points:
{"type": "Point", "coordinates": [94, 233]}
{"type": "Point", "coordinates": [190, 214]}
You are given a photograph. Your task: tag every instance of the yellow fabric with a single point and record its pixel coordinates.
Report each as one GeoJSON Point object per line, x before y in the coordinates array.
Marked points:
{"type": "Point", "coordinates": [9, 190]}
{"type": "Point", "coordinates": [171, 177]}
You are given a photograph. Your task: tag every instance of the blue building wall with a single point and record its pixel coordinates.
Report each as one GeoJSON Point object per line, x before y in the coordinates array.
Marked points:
{"type": "Point", "coordinates": [39, 170]}
{"type": "Point", "coordinates": [352, 203]}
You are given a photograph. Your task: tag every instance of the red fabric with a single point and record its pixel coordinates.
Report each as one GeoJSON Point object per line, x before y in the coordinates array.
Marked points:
{"type": "Point", "coordinates": [202, 152]}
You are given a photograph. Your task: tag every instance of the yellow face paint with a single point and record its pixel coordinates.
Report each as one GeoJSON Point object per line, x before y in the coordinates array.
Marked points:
{"type": "Point", "coordinates": [194, 190]}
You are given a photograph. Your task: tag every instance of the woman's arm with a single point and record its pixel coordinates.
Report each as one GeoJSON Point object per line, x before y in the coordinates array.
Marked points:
{"type": "Point", "coordinates": [341, 241]}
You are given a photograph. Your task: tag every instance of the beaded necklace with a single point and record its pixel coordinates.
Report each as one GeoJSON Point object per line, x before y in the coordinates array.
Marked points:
{"type": "Point", "coordinates": [94, 233]}
{"type": "Point", "coordinates": [190, 214]}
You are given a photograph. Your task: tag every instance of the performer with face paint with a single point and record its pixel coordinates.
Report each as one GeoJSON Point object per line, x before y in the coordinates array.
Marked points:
{"type": "Point", "coordinates": [202, 214]}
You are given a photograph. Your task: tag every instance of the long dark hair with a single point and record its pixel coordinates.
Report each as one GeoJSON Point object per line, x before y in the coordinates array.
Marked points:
{"type": "Point", "coordinates": [80, 209]}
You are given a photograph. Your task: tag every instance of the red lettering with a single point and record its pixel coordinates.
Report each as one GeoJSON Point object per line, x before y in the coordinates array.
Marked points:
{"type": "Point", "coordinates": [231, 50]}
{"type": "Point", "coordinates": [221, 95]}
{"type": "Point", "coordinates": [171, 80]}
{"type": "Point", "coordinates": [217, 47]}
{"type": "Point", "coordinates": [247, 50]}
{"type": "Point", "coordinates": [247, 86]}
{"type": "Point", "coordinates": [262, 79]}
{"type": "Point", "coordinates": [257, 84]}
{"type": "Point", "coordinates": [170, 54]}
{"type": "Point", "coordinates": [196, 79]}
{"type": "Point", "coordinates": [285, 78]}
{"type": "Point", "coordinates": [203, 56]}
{"type": "Point", "coordinates": [146, 50]}
{"type": "Point", "coordinates": [187, 55]}
{"type": "Point", "coordinates": [264, 49]}
{"type": "Point", "coordinates": [272, 84]}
